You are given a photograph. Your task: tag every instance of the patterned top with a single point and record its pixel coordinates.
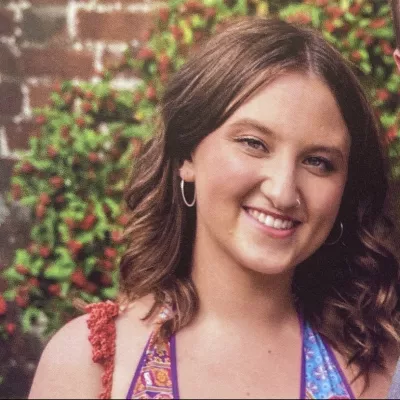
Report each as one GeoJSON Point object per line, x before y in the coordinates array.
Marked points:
{"type": "Point", "coordinates": [322, 377]}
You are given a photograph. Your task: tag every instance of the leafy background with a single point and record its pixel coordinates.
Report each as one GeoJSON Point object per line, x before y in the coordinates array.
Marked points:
{"type": "Point", "coordinates": [72, 177]}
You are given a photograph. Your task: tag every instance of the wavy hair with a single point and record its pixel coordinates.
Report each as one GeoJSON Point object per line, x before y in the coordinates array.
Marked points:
{"type": "Point", "coordinates": [348, 291]}
{"type": "Point", "coordinates": [395, 4]}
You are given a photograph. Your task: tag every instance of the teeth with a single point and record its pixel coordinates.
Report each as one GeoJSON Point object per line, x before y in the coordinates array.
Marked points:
{"type": "Point", "coordinates": [270, 221]}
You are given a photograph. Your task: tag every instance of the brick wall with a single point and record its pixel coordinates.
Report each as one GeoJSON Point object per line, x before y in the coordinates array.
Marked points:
{"type": "Point", "coordinates": [42, 42]}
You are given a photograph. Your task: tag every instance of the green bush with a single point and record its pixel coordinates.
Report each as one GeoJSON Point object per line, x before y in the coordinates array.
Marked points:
{"type": "Point", "coordinates": [73, 175]}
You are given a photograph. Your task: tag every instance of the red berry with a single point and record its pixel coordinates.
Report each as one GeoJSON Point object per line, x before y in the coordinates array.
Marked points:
{"type": "Point", "coordinates": [123, 219]}
{"type": "Point", "coordinates": [74, 246]}
{"type": "Point", "coordinates": [3, 305]}
{"type": "Point", "coordinates": [116, 236]}
{"type": "Point", "coordinates": [378, 23]}
{"type": "Point", "coordinates": [356, 55]}
{"type": "Point", "coordinates": [16, 191]}
{"type": "Point", "coordinates": [91, 287]}
{"type": "Point", "coordinates": [87, 107]}
{"type": "Point", "coordinates": [27, 167]}
{"type": "Point", "coordinates": [60, 199]}
{"type": "Point", "coordinates": [106, 279]}
{"type": "Point", "coordinates": [52, 151]}
{"type": "Point", "coordinates": [33, 282]}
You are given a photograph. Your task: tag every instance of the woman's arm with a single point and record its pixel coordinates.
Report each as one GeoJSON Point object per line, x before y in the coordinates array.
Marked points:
{"type": "Point", "coordinates": [66, 369]}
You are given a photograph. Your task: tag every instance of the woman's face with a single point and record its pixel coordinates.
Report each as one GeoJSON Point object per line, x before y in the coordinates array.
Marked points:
{"type": "Point", "coordinates": [288, 142]}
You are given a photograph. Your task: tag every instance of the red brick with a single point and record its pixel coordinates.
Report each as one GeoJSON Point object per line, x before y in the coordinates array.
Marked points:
{"type": "Point", "coordinates": [57, 62]}
{"type": "Point", "coordinates": [6, 22]}
{"type": "Point", "coordinates": [9, 64]}
{"type": "Point", "coordinates": [10, 98]}
{"type": "Point", "coordinates": [39, 96]}
{"type": "Point", "coordinates": [18, 134]}
{"type": "Point", "coordinates": [115, 26]}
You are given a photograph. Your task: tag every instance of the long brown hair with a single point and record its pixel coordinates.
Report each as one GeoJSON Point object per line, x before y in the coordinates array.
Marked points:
{"type": "Point", "coordinates": [396, 19]}
{"type": "Point", "coordinates": [348, 292]}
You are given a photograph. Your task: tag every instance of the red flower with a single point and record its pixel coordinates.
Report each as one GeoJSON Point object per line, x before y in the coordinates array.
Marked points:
{"type": "Point", "coordinates": [56, 181]}
{"type": "Point", "coordinates": [145, 54]}
{"type": "Point", "coordinates": [88, 222]}
{"type": "Point", "coordinates": [164, 14]}
{"type": "Point", "coordinates": [93, 157]}
{"type": "Point", "coordinates": [41, 119]}
{"type": "Point", "coordinates": [54, 289]}
{"type": "Point", "coordinates": [21, 301]}
{"type": "Point", "coordinates": [27, 167]}
{"type": "Point", "coordinates": [10, 328]}
{"type": "Point", "coordinates": [21, 269]}
{"type": "Point", "coordinates": [382, 94]}
{"type": "Point", "coordinates": [44, 251]}
{"type": "Point", "coordinates": [74, 246]}
{"type": "Point", "coordinates": [78, 278]}
{"type": "Point", "coordinates": [3, 305]}
{"type": "Point", "coordinates": [378, 23]}
{"type": "Point", "coordinates": [151, 93]}
{"type": "Point", "coordinates": [110, 253]}
{"type": "Point", "coordinates": [44, 199]}
{"type": "Point", "coordinates": [16, 191]}
{"type": "Point", "coordinates": [52, 151]}
{"type": "Point", "coordinates": [40, 211]}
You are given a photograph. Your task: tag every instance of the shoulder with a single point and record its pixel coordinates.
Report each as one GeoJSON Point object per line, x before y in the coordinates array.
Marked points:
{"type": "Point", "coordinates": [66, 369]}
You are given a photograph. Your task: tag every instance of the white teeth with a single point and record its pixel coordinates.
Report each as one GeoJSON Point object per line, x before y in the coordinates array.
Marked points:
{"type": "Point", "coordinates": [270, 221]}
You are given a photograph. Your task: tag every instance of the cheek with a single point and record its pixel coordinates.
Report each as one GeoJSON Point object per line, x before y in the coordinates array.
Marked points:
{"type": "Point", "coordinates": [324, 200]}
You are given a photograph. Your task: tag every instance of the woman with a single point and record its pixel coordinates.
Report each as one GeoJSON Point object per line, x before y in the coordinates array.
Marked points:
{"type": "Point", "coordinates": [257, 266]}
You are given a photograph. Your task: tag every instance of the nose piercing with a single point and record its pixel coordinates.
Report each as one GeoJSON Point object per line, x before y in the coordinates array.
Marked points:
{"type": "Point", "coordinates": [298, 202]}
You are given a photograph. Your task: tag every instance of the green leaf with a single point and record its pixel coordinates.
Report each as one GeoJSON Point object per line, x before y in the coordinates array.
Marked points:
{"type": "Point", "coordinates": [29, 317]}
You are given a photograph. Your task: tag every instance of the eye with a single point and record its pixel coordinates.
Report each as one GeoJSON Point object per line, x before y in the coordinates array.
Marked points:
{"type": "Point", "coordinates": [253, 143]}
{"type": "Point", "coordinates": [321, 163]}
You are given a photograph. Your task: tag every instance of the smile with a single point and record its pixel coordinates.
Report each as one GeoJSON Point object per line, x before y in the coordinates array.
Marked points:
{"type": "Point", "coordinates": [270, 221]}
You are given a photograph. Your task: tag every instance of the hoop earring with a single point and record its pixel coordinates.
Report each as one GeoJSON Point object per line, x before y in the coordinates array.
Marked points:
{"type": "Point", "coordinates": [183, 195]}
{"type": "Point", "coordinates": [340, 236]}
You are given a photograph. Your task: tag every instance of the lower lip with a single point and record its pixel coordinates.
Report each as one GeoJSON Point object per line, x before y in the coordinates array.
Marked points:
{"type": "Point", "coordinates": [276, 233]}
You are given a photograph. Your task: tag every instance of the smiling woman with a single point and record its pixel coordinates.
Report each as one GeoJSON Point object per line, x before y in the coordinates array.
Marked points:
{"type": "Point", "coordinates": [258, 264]}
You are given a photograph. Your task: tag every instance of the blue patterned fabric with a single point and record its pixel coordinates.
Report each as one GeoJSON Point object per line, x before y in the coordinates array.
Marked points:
{"type": "Point", "coordinates": [323, 376]}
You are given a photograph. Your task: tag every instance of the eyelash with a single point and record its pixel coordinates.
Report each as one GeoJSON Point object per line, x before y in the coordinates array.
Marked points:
{"type": "Point", "coordinates": [328, 166]}
{"type": "Point", "coordinates": [255, 144]}
{"type": "Point", "coordinates": [252, 143]}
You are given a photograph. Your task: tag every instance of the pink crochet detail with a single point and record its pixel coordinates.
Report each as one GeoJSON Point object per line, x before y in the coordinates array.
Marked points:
{"type": "Point", "coordinates": [102, 336]}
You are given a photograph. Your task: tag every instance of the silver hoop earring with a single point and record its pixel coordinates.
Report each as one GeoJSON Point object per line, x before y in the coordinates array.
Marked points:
{"type": "Point", "coordinates": [340, 236]}
{"type": "Point", "coordinates": [183, 195]}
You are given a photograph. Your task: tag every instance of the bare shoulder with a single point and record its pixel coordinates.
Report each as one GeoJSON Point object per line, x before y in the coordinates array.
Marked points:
{"type": "Point", "coordinates": [132, 334]}
{"type": "Point", "coordinates": [66, 369]}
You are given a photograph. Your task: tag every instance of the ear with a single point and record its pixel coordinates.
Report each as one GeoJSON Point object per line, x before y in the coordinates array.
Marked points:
{"type": "Point", "coordinates": [186, 171]}
{"type": "Point", "coordinates": [396, 56]}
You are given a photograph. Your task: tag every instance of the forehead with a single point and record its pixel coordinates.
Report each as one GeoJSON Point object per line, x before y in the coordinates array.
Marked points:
{"type": "Point", "coordinates": [299, 106]}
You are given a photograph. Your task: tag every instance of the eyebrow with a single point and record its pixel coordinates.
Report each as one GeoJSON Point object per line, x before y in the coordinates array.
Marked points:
{"type": "Point", "coordinates": [248, 122]}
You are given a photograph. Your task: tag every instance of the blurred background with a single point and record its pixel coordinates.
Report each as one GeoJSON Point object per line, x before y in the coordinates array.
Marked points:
{"type": "Point", "coordinates": [80, 82]}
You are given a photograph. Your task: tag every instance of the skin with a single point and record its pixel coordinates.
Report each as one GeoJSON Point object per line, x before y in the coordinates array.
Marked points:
{"type": "Point", "coordinates": [245, 341]}
{"type": "Point", "coordinates": [396, 56]}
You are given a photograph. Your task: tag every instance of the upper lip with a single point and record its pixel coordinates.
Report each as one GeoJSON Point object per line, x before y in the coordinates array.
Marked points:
{"type": "Point", "coordinates": [273, 214]}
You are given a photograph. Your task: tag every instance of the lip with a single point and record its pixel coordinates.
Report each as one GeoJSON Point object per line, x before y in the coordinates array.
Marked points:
{"type": "Point", "coordinates": [275, 215]}
{"type": "Point", "coordinates": [272, 232]}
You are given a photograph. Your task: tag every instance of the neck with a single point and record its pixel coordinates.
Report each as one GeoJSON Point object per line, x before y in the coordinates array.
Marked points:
{"type": "Point", "coordinates": [237, 296]}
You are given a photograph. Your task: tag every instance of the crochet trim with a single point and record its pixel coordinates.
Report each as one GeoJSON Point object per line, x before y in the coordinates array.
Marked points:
{"type": "Point", "coordinates": [102, 337]}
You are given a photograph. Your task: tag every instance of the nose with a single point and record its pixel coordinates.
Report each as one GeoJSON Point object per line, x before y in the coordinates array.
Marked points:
{"type": "Point", "coordinates": [280, 186]}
